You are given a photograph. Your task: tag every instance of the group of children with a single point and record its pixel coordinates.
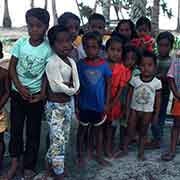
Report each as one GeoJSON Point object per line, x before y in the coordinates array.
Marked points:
{"type": "Point", "coordinates": [105, 80]}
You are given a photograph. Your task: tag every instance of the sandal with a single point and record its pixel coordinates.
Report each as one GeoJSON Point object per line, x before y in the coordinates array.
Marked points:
{"type": "Point", "coordinates": [168, 156]}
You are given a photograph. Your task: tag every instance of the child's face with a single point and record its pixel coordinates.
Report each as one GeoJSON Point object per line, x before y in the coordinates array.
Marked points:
{"type": "Point", "coordinates": [91, 48]}
{"type": "Point", "coordinates": [97, 25]}
{"type": "Point", "coordinates": [125, 30]}
{"type": "Point", "coordinates": [73, 27]}
{"type": "Point", "coordinates": [63, 44]}
{"type": "Point", "coordinates": [36, 28]}
{"type": "Point", "coordinates": [130, 59]}
{"type": "Point", "coordinates": [142, 30]}
{"type": "Point", "coordinates": [164, 47]}
{"type": "Point", "coordinates": [114, 52]}
{"type": "Point", "coordinates": [147, 67]}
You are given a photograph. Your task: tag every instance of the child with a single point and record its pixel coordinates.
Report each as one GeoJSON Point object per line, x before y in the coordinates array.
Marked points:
{"type": "Point", "coordinates": [63, 81]}
{"type": "Point", "coordinates": [28, 61]}
{"type": "Point", "coordinates": [144, 40]}
{"type": "Point", "coordinates": [120, 76]}
{"type": "Point", "coordinates": [144, 100]}
{"type": "Point", "coordinates": [165, 41]}
{"type": "Point", "coordinates": [4, 94]}
{"type": "Point", "coordinates": [174, 82]}
{"type": "Point", "coordinates": [126, 28]}
{"type": "Point", "coordinates": [94, 74]}
{"type": "Point", "coordinates": [131, 57]}
{"type": "Point", "coordinates": [72, 23]}
{"type": "Point", "coordinates": [96, 22]}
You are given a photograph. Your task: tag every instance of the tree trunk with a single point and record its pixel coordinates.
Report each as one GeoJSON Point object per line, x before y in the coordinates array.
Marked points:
{"type": "Point", "coordinates": [178, 19]}
{"type": "Point", "coordinates": [32, 3]}
{"type": "Point", "coordinates": [138, 9]}
{"type": "Point", "coordinates": [54, 11]}
{"type": "Point", "coordinates": [6, 19]}
{"type": "Point", "coordinates": [155, 17]}
{"type": "Point", "coordinates": [106, 4]}
{"type": "Point", "coordinates": [45, 4]}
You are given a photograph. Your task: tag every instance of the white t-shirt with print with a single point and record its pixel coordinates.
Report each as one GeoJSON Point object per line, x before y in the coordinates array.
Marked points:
{"type": "Point", "coordinates": [144, 93]}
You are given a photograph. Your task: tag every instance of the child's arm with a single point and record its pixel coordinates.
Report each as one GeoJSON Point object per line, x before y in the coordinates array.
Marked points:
{"type": "Point", "coordinates": [42, 94]}
{"type": "Point", "coordinates": [129, 98]}
{"type": "Point", "coordinates": [13, 76]}
{"type": "Point", "coordinates": [157, 107]}
{"type": "Point", "coordinates": [173, 87]}
{"type": "Point", "coordinates": [108, 93]}
{"type": "Point", "coordinates": [4, 98]}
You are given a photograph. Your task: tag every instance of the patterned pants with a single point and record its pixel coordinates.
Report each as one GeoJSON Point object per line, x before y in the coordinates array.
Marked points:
{"type": "Point", "coordinates": [59, 117]}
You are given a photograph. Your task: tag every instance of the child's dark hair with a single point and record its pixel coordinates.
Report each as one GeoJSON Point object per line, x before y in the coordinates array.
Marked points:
{"type": "Point", "coordinates": [92, 35]}
{"type": "Point", "coordinates": [39, 13]}
{"type": "Point", "coordinates": [63, 19]}
{"type": "Point", "coordinates": [150, 55]}
{"type": "Point", "coordinates": [130, 48]}
{"type": "Point", "coordinates": [143, 20]}
{"type": "Point", "coordinates": [96, 16]}
{"type": "Point", "coordinates": [1, 50]}
{"type": "Point", "coordinates": [131, 24]}
{"type": "Point", "coordinates": [52, 33]}
{"type": "Point", "coordinates": [166, 35]}
{"type": "Point", "coordinates": [116, 39]}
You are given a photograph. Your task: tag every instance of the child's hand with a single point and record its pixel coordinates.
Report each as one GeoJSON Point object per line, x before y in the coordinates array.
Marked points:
{"type": "Point", "coordinates": [37, 98]}
{"type": "Point", "coordinates": [24, 92]}
{"type": "Point", "coordinates": [69, 84]}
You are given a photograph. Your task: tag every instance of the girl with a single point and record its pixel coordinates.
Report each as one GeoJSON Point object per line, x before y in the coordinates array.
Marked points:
{"type": "Point", "coordinates": [126, 28]}
{"type": "Point", "coordinates": [94, 74]}
{"type": "Point", "coordinates": [131, 58]}
{"type": "Point", "coordinates": [63, 82]}
{"type": "Point", "coordinates": [174, 82]}
{"type": "Point", "coordinates": [4, 94]}
{"type": "Point", "coordinates": [144, 100]}
{"type": "Point", "coordinates": [165, 42]}
{"type": "Point", "coordinates": [120, 76]}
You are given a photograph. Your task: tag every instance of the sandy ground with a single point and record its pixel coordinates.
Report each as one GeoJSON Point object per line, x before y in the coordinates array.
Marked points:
{"type": "Point", "coordinates": [128, 168]}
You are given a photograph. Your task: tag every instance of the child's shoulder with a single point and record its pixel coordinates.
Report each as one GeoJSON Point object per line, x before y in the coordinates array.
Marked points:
{"type": "Point", "coordinates": [22, 40]}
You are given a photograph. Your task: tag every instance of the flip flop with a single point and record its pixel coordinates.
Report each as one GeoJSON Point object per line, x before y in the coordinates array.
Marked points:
{"type": "Point", "coordinates": [168, 156]}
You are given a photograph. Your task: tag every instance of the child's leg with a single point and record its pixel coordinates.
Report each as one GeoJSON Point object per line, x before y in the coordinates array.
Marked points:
{"type": "Point", "coordinates": [145, 121]}
{"type": "Point", "coordinates": [16, 144]}
{"type": "Point", "coordinates": [123, 132]}
{"type": "Point", "coordinates": [132, 122]}
{"type": "Point", "coordinates": [33, 130]}
{"type": "Point", "coordinates": [81, 133]}
{"type": "Point", "coordinates": [108, 135]}
{"type": "Point", "coordinates": [2, 149]}
{"type": "Point", "coordinates": [59, 124]}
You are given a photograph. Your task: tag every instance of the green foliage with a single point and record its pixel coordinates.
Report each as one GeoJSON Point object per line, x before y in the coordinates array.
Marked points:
{"type": "Point", "coordinates": [85, 10]}
{"type": "Point", "coordinates": [165, 9]}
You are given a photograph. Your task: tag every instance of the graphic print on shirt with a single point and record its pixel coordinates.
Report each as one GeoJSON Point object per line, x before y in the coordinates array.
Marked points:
{"type": "Point", "coordinates": [93, 76]}
{"type": "Point", "coordinates": [143, 94]}
{"type": "Point", "coordinates": [31, 66]}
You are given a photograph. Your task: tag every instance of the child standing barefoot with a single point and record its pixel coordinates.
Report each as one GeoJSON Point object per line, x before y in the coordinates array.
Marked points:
{"type": "Point", "coordinates": [174, 82]}
{"type": "Point", "coordinates": [63, 81]}
{"type": "Point", "coordinates": [27, 67]}
{"type": "Point", "coordinates": [120, 76]}
{"type": "Point", "coordinates": [144, 95]}
{"type": "Point", "coordinates": [4, 94]}
{"type": "Point", "coordinates": [94, 75]}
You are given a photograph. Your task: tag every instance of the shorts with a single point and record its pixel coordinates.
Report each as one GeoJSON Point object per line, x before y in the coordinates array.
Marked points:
{"type": "Point", "coordinates": [176, 108]}
{"type": "Point", "coordinates": [87, 117]}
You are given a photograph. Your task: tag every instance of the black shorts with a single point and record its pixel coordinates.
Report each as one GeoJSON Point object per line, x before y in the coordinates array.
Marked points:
{"type": "Point", "coordinates": [87, 117]}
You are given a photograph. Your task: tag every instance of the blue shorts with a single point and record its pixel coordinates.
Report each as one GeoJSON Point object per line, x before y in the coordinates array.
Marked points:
{"type": "Point", "coordinates": [87, 117]}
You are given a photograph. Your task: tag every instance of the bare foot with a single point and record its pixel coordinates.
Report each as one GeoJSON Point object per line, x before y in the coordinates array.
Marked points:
{"type": "Point", "coordinates": [141, 157]}
{"type": "Point", "coordinates": [13, 169]}
{"type": "Point", "coordinates": [29, 174]}
{"type": "Point", "coordinates": [120, 154]}
{"type": "Point", "coordinates": [102, 161]}
{"type": "Point", "coordinates": [80, 162]}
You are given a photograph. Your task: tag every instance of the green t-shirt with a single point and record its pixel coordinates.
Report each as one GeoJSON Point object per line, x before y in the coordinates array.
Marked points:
{"type": "Point", "coordinates": [31, 63]}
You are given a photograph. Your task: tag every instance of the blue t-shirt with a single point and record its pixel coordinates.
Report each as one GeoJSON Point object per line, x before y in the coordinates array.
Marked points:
{"type": "Point", "coordinates": [31, 63]}
{"type": "Point", "coordinates": [92, 84]}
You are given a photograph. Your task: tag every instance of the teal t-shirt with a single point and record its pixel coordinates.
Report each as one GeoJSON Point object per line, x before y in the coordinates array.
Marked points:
{"type": "Point", "coordinates": [31, 63]}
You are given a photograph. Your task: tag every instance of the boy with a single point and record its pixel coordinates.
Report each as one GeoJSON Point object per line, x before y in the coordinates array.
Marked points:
{"type": "Point", "coordinates": [28, 61]}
